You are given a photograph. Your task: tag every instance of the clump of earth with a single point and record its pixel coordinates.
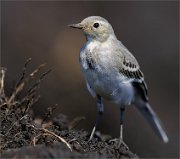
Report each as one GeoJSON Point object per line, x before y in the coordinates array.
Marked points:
{"type": "Point", "coordinates": [22, 135]}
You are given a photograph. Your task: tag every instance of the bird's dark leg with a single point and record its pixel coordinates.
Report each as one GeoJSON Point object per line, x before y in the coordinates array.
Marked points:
{"type": "Point", "coordinates": [100, 110]}
{"type": "Point", "coordinates": [121, 142]}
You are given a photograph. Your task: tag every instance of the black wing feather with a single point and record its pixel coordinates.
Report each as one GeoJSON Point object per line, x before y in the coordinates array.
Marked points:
{"type": "Point", "coordinates": [141, 87]}
{"type": "Point", "coordinates": [132, 71]}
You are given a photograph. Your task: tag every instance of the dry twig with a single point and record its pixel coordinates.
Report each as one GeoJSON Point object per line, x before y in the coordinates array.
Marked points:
{"type": "Point", "coordinates": [52, 134]}
{"type": "Point", "coordinates": [14, 125]}
{"type": "Point", "coordinates": [24, 72]}
{"type": "Point", "coordinates": [2, 76]}
{"type": "Point", "coordinates": [20, 87]}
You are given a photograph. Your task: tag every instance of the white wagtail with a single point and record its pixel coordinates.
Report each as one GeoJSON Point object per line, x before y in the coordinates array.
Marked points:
{"type": "Point", "coordinates": [112, 72]}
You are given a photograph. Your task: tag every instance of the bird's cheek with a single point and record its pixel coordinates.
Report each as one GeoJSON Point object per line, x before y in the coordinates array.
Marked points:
{"type": "Point", "coordinates": [89, 31]}
{"type": "Point", "coordinates": [103, 31]}
{"type": "Point", "coordinates": [86, 30]}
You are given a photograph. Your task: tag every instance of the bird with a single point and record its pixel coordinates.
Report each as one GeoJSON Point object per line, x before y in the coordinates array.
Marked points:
{"type": "Point", "coordinates": [112, 73]}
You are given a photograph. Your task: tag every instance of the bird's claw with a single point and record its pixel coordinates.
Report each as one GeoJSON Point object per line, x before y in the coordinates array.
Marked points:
{"type": "Point", "coordinates": [120, 143]}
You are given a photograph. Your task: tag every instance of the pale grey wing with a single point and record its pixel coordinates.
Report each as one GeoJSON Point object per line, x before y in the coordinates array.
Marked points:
{"type": "Point", "coordinates": [127, 63]}
{"type": "Point", "coordinates": [130, 69]}
{"type": "Point", "coordinates": [133, 72]}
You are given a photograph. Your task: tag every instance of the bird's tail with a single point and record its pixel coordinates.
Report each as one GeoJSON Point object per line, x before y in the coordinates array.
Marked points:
{"type": "Point", "coordinates": [153, 119]}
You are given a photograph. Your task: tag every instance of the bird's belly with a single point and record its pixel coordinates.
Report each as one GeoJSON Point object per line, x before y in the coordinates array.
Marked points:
{"type": "Point", "coordinates": [112, 87]}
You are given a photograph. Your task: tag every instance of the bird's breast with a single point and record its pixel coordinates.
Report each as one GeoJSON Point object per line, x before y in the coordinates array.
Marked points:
{"type": "Point", "coordinates": [101, 74]}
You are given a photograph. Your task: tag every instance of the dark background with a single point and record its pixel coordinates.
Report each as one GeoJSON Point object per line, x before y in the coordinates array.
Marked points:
{"type": "Point", "coordinates": [150, 30]}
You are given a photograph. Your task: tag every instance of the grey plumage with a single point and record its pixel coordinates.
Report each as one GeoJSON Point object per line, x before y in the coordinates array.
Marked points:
{"type": "Point", "coordinates": [149, 114]}
{"type": "Point", "coordinates": [112, 72]}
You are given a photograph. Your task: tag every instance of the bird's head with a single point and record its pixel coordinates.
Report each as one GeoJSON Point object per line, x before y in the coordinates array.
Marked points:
{"type": "Point", "coordinates": [95, 27]}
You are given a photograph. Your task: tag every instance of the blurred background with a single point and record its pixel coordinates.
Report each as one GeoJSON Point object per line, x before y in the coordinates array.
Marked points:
{"type": "Point", "coordinates": [150, 30]}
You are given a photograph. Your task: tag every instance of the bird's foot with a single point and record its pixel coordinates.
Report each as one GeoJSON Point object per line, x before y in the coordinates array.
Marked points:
{"type": "Point", "coordinates": [120, 143]}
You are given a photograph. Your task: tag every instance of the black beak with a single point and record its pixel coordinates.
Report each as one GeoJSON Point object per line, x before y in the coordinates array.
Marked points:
{"type": "Point", "coordinates": [76, 26]}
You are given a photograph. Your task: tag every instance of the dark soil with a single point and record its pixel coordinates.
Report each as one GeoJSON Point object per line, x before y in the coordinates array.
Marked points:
{"type": "Point", "coordinates": [24, 136]}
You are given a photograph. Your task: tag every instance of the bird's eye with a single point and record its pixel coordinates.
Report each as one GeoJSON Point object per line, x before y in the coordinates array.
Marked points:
{"type": "Point", "coordinates": [96, 25]}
